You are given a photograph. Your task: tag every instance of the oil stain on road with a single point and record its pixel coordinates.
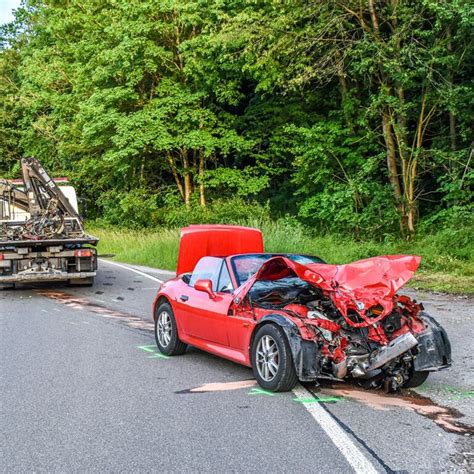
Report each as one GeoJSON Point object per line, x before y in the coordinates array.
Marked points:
{"type": "Point", "coordinates": [446, 418]}
{"type": "Point", "coordinates": [81, 304]}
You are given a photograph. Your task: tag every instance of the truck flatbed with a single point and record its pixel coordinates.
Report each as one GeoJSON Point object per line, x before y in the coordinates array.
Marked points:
{"type": "Point", "coordinates": [86, 239]}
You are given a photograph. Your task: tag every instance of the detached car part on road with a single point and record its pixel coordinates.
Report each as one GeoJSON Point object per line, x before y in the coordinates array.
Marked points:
{"type": "Point", "coordinates": [42, 237]}
{"type": "Point", "coordinates": [293, 317]}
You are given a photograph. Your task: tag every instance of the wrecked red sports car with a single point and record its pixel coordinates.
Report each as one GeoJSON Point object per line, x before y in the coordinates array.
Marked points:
{"type": "Point", "coordinates": [293, 317]}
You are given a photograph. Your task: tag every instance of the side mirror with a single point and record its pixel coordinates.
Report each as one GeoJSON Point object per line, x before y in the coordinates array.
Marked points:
{"type": "Point", "coordinates": [206, 286]}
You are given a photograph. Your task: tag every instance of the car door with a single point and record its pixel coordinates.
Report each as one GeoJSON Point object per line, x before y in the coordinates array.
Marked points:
{"type": "Point", "coordinates": [204, 317]}
{"type": "Point", "coordinates": [240, 326]}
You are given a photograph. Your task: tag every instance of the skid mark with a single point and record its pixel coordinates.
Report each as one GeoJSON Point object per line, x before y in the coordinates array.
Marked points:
{"type": "Point", "coordinates": [81, 304]}
{"type": "Point", "coordinates": [446, 418]}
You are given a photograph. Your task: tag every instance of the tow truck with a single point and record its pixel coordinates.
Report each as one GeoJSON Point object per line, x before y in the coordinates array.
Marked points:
{"type": "Point", "coordinates": [42, 236]}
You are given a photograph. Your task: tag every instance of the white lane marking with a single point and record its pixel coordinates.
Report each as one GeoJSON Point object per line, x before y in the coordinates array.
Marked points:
{"type": "Point", "coordinates": [132, 270]}
{"type": "Point", "coordinates": [354, 456]}
{"type": "Point", "coordinates": [154, 270]}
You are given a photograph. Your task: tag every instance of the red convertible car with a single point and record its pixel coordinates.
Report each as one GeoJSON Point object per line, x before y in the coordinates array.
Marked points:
{"type": "Point", "coordinates": [293, 317]}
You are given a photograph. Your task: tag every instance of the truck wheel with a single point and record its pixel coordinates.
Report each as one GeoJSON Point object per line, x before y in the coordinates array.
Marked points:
{"type": "Point", "coordinates": [272, 361]}
{"type": "Point", "coordinates": [166, 331]}
{"type": "Point", "coordinates": [87, 282]}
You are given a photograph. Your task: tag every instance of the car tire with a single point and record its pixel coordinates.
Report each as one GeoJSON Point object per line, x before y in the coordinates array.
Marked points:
{"type": "Point", "coordinates": [166, 331]}
{"type": "Point", "coordinates": [272, 361]}
{"type": "Point", "coordinates": [415, 379]}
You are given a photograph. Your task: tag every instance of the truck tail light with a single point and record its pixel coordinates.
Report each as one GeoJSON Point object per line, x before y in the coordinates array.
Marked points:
{"type": "Point", "coordinates": [83, 253]}
{"type": "Point", "coordinates": [1, 257]}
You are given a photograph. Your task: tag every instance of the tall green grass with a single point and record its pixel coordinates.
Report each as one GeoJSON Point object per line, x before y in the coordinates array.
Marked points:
{"type": "Point", "coordinates": [151, 248]}
{"type": "Point", "coordinates": [447, 259]}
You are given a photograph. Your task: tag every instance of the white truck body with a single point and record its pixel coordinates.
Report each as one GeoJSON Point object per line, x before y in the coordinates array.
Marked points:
{"type": "Point", "coordinates": [42, 237]}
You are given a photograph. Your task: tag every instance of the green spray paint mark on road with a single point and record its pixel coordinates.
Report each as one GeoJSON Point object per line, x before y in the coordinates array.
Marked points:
{"type": "Point", "coordinates": [148, 348]}
{"type": "Point", "coordinates": [453, 393]}
{"type": "Point", "coordinates": [152, 350]}
{"type": "Point", "coordinates": [260, 391]}
{"type": "Point", "coordinates": [459, 393]}
{"type": "Point", "coordinates": [318, 400]}
{"type": "Point", "coordinates": [158, 356]}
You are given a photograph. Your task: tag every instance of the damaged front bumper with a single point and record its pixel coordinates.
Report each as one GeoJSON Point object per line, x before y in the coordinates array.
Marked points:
{"type": "Point", "coordinates": [434, 348]}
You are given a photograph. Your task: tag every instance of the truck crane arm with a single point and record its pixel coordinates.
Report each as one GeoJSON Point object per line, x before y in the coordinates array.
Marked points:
{"type": "Point", "coordinates": [41, 189]}
{"type": "Point", "coordinates": [11, 195]}
{"type": "Point", "coordinates": [51, 213]}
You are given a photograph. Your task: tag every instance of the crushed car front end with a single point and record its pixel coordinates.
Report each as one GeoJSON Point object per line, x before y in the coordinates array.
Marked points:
{"type": "Point", "coordinates": [347, 321]}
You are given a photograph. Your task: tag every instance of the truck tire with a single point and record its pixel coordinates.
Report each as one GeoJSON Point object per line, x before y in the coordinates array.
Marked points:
{"type": "Point", "coordinates": [87, 282]}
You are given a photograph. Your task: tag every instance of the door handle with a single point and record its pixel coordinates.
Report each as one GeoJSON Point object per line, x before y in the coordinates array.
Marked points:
{"type": "Point", "coordinates": [184, 298]}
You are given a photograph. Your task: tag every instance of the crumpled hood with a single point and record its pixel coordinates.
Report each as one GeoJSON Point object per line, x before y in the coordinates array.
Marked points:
{"type": "Point", "coordinates": [354, 286]}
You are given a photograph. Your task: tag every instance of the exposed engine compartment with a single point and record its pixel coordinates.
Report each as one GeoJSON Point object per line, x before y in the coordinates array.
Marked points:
{"type": "Point", "coordinates": [378, 349]}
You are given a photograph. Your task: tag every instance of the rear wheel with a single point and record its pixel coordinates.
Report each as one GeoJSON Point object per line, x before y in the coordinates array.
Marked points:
{"type": "Point", "coordinates": [166, 331]}
{"type": "Point", "coordinates": [272, 362]}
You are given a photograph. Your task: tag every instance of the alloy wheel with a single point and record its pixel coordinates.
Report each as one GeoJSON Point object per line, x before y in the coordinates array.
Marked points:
{"type": "Point", "coordinates": [268, 359]}
{"type": "Point", "coordinates": [164, 328]}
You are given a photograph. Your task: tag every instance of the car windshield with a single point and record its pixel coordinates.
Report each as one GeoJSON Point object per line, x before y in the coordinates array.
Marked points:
{"type": "Point", "coordinates": [245, 266]}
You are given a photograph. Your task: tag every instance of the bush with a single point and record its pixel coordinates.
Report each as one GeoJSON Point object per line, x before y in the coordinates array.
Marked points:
{"type": "Point", "coordinates": [230, 211]}
{"type": "Point", "coordinates": [134, 209]}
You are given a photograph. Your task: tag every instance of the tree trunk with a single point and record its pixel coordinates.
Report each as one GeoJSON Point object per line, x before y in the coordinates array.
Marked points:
{"type": "Point", "coordinates": [391, 155]}
{"type": "Point", "coordinates": [176, 177]}
{"type": "Point", "coordinates": [188, 185]}
{"type": "Point", "coordinates": [202, 195]}
{"type": "Point", "coordinates": [392, 166]}
{"type": "Point", "coordinates": [452, 131]}
{"type": "Point", "coordinates": [452, 117]}
{"type": "Point", "coordinates": [375, 21]}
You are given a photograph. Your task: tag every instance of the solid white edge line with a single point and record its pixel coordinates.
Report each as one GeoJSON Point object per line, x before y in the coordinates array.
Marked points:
{"type": "Point", "coordinates": [354, 456]}
{"type": "Point", "coordinates": [126, 267]}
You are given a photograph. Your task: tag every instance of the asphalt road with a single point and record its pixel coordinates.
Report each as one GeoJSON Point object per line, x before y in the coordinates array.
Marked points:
{"type": "Point", "coordinates": [83, 389]}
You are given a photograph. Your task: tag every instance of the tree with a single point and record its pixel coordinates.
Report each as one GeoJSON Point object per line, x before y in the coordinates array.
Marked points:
{"type": "Point", "coordinates": [390, 58]}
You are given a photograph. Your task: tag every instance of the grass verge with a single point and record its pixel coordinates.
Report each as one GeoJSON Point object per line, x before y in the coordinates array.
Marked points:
{"type": "Point", "coordinates": [443, 268]}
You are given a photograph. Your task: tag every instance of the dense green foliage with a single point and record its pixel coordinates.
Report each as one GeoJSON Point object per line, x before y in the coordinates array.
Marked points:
{"type": "Point", "coordinates": [352, 116]}
{"type": "Point", "coordinates": [444, 267]}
